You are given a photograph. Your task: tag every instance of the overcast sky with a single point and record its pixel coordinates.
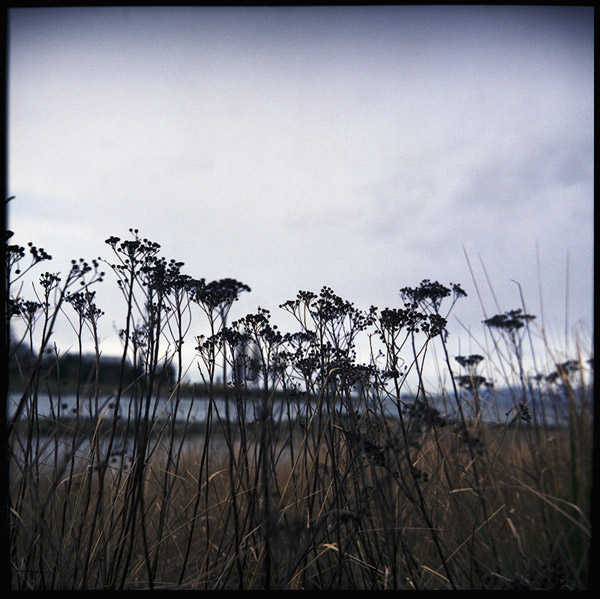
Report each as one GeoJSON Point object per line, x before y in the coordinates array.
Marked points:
{"type": "Point", "coordinates": [361, 148]}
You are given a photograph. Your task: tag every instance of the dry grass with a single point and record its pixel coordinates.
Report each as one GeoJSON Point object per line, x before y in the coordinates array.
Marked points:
{"type": "Point", "coordinates": [332, 518]}
{"type": "Point", "coordinates": [339, 496]}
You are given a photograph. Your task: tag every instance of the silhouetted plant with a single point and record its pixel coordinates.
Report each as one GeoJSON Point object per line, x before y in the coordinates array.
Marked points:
{"type": "Point", "coordinates": [511, 325]}
{"type": "Point", "coordinates": [472, 381]}
{"type": "Point", "coordinates": [510, 321]}
{"type": "Point", "coordinates": [309, 470]}
{"type": "Point", "coordinates": [430, 294]}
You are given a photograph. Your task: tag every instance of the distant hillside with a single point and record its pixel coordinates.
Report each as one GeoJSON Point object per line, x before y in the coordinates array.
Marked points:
{"type": "Point", "coordinates": [69, 370]}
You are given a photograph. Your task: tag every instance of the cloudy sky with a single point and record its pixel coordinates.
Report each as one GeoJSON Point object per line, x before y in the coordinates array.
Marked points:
{"type": "Point", "coordinates": [361, 148]}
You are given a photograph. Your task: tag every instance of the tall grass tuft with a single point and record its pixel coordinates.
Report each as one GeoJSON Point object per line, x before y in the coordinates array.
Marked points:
{"type": "Point", "coordinates": [290, 464]}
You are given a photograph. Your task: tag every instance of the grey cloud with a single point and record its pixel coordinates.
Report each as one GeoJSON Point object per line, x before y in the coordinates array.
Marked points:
{"type": "Point", "coordinates": [503, 182]}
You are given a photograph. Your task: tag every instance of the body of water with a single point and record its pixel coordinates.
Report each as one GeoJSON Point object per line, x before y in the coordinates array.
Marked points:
{"type": "Point", "coordinates": [492, 406]}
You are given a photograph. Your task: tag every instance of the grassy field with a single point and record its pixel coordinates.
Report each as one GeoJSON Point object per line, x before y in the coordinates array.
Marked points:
{"type": "Point", "coordinates": [314, 507]}
{"type": "Point", "coordinates": [309, 471]}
